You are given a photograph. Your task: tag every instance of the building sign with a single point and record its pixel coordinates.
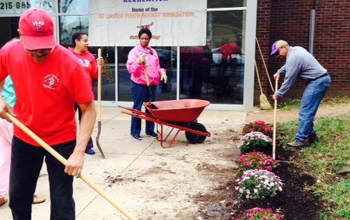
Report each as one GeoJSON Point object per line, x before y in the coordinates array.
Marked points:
{"type": "Point", "coordinates": [172, 22]}
{"type": "Point", "coordinates": [19, 6]}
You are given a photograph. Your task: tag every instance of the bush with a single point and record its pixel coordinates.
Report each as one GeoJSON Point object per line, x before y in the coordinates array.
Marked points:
{"type": "Point", "coordinates": [257, 160]}
{"type": "Point", "coordinates": [259, 126]}
{"type": "Point", "coordinates": [259, 214]}
{"type": "Point", "coordinates": [254, 141]}
{"type": "Point", "coordinates": [255, 184]}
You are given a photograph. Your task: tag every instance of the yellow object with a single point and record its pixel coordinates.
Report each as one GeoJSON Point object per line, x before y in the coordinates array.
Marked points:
{"type": "Point", "coordinates": [264, 103]}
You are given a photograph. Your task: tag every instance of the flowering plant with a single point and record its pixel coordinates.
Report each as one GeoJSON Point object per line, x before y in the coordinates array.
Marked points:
{"type": "Point", "coordinates": [257, 160]}
{"type": "Point", "coordinates": [259, 214]}
{"type": "Point", "coordinates": [254, 141]}
{"type": "Point", "coordinates": [255, 184]}
{"type": "Point", "coordinates": [260, 126]}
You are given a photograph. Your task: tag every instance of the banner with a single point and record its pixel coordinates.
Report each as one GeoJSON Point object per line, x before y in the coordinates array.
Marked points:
{"type": "Point", "coordinates": [172, 22]}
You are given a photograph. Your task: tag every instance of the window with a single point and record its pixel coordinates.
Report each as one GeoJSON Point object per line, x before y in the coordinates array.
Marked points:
{"type": "Point", "coordinates": [215, 72]}
{"type": "Point", "coordinates": [226, 3]}
{"type": "Point", "coordinates": [167, 58]}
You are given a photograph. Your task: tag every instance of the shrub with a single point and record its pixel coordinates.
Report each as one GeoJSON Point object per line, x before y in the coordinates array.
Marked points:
{"type": "Point", "coordinates": [257, 160]}
{"type": "Point", "coordinates": [259, 214]}
{"type": "Point", "coordinates": [259, 126]}
{"type": "Point", "coordinates": [254, 141]}
{"type": "Point", "coordinates": [255, 184]}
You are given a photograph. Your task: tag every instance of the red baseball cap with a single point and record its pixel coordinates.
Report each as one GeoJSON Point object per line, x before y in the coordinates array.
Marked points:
{"type": "Point", "coordinates": [37, 29]}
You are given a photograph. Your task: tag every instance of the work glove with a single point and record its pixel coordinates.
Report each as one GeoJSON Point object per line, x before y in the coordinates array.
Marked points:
{"type": "Point", "coordinates": [141, 59]}
{"type": "Point", "coordinates": [163, 76]}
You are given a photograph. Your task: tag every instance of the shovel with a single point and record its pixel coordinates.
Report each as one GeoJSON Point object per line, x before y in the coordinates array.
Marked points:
{"type": "Point", "coordinates": [58, 156]}
{"type": "Point", "coordinates": [99, 67]}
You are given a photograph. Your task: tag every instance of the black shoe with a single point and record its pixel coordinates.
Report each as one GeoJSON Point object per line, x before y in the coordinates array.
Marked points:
{"type": "Point", "coordinates": [299, 144]}
{"type": "Point", "coordinates": [137, 137]}
{"type": "Point", "coordinates": [90, 151]}
{"type": "Point", "coordinates": [153, 134]}
{"type": "Point", "coordinates": [313, 138]}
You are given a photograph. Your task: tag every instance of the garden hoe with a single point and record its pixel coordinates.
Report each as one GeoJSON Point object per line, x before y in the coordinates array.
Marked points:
{"type": "Point", "coordinates": [99, 56]}
{"type": "Point", "coordinates": [58, 156]}
{"type": "Point", "coordinates": [264, 103]}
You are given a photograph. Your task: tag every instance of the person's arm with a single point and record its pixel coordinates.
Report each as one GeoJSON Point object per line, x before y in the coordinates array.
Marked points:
{"type": "Point", "coordinates": [76, 159]}
{"type": "Point", "coordinates": [282, 70]}
{"type": "Point", "coordinates": [132, 66]}
{"type": "Point", "coordinates": [292, 71]}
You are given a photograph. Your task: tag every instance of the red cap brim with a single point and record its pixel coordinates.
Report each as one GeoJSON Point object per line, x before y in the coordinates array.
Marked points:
{"type": "Point", "coordinates": [36, 43]}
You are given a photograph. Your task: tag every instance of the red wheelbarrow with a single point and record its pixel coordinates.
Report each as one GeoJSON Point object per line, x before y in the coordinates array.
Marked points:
{"type": "Point", "coordinates": [177, 114]}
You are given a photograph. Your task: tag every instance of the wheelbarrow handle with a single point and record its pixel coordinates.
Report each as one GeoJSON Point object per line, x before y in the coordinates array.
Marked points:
{"type": "Point", "coordinates": [59, 157]}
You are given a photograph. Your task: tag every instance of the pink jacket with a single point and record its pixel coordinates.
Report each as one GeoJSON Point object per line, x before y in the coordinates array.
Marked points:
{"type": "Point", "coordinates": [137, 71]}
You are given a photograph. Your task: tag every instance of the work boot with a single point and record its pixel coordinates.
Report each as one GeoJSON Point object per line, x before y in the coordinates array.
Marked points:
{"type": "Point", "coordinates": [313, 138]}
{"type": "Point", "coordinates": [299, 144]}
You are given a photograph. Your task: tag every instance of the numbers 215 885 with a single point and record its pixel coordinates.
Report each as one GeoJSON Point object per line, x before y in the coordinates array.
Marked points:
{"type": "Point", "coordinates": [13, 5]}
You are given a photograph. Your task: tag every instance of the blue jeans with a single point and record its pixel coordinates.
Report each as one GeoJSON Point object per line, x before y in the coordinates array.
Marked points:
{"type": "Point", "coordinates": [26, 163]}
{"type": "Point", "coordinates": [141, 94]}
{"type": "Point", "coordinates": [313, 94]}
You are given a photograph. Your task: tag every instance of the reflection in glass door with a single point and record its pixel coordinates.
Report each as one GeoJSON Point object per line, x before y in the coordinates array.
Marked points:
{"type": "Point", "coordinates": [215, 72]}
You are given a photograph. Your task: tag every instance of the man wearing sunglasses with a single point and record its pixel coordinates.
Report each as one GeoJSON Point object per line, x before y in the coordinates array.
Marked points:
{"type": "Point", "coordinates": [301, 64]}
{"type": "Point", "coordinates": [48, 80]}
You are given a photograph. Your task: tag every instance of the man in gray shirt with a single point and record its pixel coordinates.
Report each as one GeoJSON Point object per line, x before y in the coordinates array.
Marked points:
{"type": "Point", "coordinates": [301, 64]}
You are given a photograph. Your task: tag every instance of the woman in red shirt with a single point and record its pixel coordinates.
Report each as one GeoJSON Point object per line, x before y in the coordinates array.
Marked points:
{"type": "Point", "coordinates": [88, 62]}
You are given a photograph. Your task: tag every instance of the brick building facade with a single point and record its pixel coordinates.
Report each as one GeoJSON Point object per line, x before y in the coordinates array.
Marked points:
{"type": "Point", "coordinates": [290, 20]}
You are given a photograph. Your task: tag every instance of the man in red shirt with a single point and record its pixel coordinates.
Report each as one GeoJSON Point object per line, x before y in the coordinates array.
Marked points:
{"type": "Point", "coordinates": [48, 80]}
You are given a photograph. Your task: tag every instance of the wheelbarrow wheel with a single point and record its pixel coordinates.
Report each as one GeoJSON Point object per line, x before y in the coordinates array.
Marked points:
{"type": "Point", "coordinates": [195, 138]}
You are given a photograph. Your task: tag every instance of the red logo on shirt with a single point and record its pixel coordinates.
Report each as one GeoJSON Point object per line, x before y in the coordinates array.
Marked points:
{"type": "Point", "coordinates": [51, 81]}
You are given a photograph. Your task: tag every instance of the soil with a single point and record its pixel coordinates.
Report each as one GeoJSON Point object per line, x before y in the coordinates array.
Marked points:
{"type": "Point", "coordinates": [294, 202]}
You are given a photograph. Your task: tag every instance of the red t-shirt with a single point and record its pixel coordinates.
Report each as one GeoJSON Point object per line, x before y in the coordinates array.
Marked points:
{"type": "Point", "coordinates": [45, 92]}
{"type": "Point", "coordinates": [88, 62]}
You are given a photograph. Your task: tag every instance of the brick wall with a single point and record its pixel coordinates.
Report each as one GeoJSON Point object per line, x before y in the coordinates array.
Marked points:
{"type": "Point", "coordinates": [290, 20]}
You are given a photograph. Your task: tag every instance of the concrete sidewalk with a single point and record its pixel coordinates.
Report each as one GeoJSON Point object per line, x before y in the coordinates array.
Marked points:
{"type": "Point", "coordinates": [148, 181]}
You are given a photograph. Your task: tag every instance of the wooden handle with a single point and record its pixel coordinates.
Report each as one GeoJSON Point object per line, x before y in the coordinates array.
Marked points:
{"type": "Point", "coordinates": [274, 124]}
{"type": "Point", "coordinates": [146, 75]}
{"type": "Point", "coordinates": [262, 57]}
{"type": "Point", "coordinates": [58, 156]}
{"type": "Point", "coordinates": [99, 85]}
{"type": "Point", "coordinates": [258, 76]}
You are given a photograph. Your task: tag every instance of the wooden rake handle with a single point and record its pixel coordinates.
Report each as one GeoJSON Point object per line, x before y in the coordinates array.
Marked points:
{"type": "Point", "coordinates": [58, 156]}
{"type": "Point", "coordinates": [99, 82]}
{"type": "Point", "coordinates": [274, 124]}
{"type": "Point", "coordinates": [146, 74]}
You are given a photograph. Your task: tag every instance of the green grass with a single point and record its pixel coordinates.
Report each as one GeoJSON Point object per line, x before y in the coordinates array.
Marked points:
{"type": "Point", "coordinates": [323, 160]}
{"type": "Point", "coordinates": [289, 104]}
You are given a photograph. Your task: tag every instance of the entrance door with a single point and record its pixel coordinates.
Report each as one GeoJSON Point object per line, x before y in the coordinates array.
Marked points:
{"type": "Point", "coordinates": [8, 27]}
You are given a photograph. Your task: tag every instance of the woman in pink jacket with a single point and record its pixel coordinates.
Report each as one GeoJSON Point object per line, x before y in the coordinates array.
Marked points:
{"type": "Point", "coordinates": [143, 59]}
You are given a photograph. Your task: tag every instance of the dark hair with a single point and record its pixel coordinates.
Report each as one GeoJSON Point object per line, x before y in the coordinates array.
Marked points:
{"type": "Point", "coordinates": [145, 31]}
{"type": "Point", "coordinates": [77, 36]}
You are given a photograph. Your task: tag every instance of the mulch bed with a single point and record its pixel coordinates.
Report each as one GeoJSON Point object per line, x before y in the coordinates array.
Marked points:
{"type": "Point", "coordinates": [294, 202]}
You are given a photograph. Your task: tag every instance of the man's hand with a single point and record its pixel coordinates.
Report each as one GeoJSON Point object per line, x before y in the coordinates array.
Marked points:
{"type": "Point", "coordinates": [75, 164]}
{"type": "Point", "coordinates": [99, 61]}
{"type": "Point", "coordinates": [163, 76]}
{"type": "Point", "coordinates": [275, 97]}
{"type": "Point", "coordinates": [5, 108]}
{"type": "Point", "coordinates": [141, 59]}
{"type": "Point", "coordinates": [276, 76]}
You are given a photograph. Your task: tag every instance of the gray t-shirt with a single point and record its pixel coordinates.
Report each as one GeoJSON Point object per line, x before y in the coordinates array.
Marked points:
{"type": "Point", "coordinates": [300, 63]}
